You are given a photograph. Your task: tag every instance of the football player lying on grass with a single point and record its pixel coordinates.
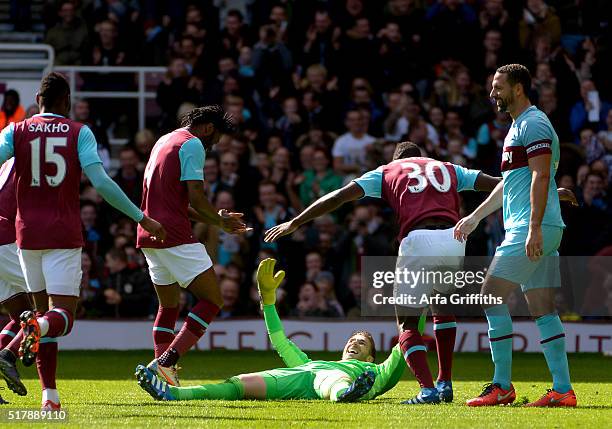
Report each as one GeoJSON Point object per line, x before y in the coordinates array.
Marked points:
{"type": "Point", "coordinates": [353, 378]}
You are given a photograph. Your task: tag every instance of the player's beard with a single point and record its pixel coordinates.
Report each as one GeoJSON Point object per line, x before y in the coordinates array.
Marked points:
{"type": "Point", "coordinates": [502, 104]}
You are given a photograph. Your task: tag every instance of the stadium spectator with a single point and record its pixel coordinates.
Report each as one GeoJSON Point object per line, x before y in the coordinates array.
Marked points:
{"type": "Point", "coordinates": [318, 180]}
{"type": "Point", "coordinates": [235, 35]}
{"type": "Point", "coordinates": [144, 140]}
{"type": "Point", "coordinates": [312, 304]}
{"type": "Point", "coordinates": [128, 177]}
{"type": "Point", "coordinates": [350, 149]}
{"type": "Point", "coordinates": [127, 291]}
{"type": "Point", "coordinates": [539, 19]}
{"type": "Point", "coordinates": [32, 110]}
{"type": "Point", "coordinates": [325, 283]}
{"type": "Point", "coordinates": [82, 113]}
{"type": "Point", "coordinates": [354, 286]}
{"type": "Point", "coordinates": [12, 110]}
{"type": "Point", "coordinates": [69, 37]}
{"type": "Point", "coordinates": [590, 111]}
{"type": "Point", "coordinates": [320, 45]}
{"type": "Point", "coordinates": [230, 291]}
{"type": "Point", "coordinates": [89, 217]}
{"type": "Point", "coordinates": [272, 63]}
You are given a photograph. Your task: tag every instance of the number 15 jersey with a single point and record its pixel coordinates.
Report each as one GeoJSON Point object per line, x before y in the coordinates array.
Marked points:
{"type": "Point", "coordinates": [49, 151]}
{"type": "Point", "coordinates": [419, 188]}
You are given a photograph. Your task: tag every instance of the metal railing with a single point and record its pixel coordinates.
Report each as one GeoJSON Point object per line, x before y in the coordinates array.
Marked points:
{"type": "Point", "coordinates": [141, 94]}
{"type": "Point", "coordinates": [25, 60]}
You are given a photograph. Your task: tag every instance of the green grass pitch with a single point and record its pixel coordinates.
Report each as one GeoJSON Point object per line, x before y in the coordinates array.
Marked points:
{"type": "Point", "coordinates": [98, 389]}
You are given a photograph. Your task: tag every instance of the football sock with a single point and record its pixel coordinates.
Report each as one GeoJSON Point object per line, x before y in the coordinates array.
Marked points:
{"type": "Point", "coordinates": [553, 344]}
{"type": "Point", "coordinates": [415, 353]}
{"type": "Point", "coordinates": [163, 329]}
{"type": "Point", "coordinates": [337, 389]}
{"type": "Point", "coordinates": [230, 390]}
{"type": "Point", "coordinates": [445, 330]}
{"type": "Point", "coordinates": [13, 346]}
{"type": "Point", "coordinates": [56, 322]}
{"type": "Point", "coordinates": [9, 332]}
{"type": "Point", "coordinates": [195, 325]}
{"type": "Point", "coordinates": [500, 338]}
{"type": "Point", "coordinates": [50, 395]}
{"type": "Point", "coordinates": [46, 362]}
{"type": "Point", "coordinates": [169, 357]}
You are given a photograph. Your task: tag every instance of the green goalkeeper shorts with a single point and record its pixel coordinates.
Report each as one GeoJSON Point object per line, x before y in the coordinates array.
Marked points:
{"type": "Point", "coordinates": [289, 383]}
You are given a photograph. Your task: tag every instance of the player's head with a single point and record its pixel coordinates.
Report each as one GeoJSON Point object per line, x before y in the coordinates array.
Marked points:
{"type": "Point", "coordinates": [53, 96]}
{"type": "Point", "coordinates": [511, 83]}
{"type": "Point", "coordinates": [360, 346]}
{"type": "Point", "coordinates": [406, 150]}
{"type": "Point", "coordinates": [208, 123]}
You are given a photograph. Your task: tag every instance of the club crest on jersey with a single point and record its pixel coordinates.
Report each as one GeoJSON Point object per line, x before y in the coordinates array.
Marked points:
{"type": "Point", "coordinates": [507, 157]}
{"type": "Point", "coordinates": [49, 128]}
{"type": "Point", "coordinates": [513, 157]}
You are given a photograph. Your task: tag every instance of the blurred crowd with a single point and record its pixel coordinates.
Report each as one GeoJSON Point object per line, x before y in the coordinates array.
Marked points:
{"type": "Point", "coordinates": [321, 92]}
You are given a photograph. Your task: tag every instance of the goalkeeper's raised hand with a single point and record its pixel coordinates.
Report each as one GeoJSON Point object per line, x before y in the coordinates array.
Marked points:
{"type": "Point", "coordinates": [267, 281]}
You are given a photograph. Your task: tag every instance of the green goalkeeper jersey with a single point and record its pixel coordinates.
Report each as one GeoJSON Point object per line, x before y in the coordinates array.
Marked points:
{"type": "Point", "coordinates": [388, 373]}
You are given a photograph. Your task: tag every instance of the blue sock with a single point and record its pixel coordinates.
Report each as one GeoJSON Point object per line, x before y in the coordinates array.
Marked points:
{"type": "Point", "coordinates": [553, 344]}
{"type": "Point", "coordinates": [500, 338]}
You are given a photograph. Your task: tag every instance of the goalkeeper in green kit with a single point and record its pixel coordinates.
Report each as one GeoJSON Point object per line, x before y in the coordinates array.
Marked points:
{"type": "Point", "coordinates": [353, 378]}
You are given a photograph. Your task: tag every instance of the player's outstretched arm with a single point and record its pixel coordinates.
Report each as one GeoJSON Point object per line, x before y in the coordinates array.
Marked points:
{"type": "Point", "coordinates": [268, 282]}
{"type": "Point", "coordinates": [113, 194]}
{"type": "Point", "coordinates": [326, 204]}
{"type": "Point", "coordinates": [203, 211]}
{"type": "Point", "coordinates": [486, 183]}
{"type": "Point", "coordinates": [92, 167]}
{"type": "Point", "coordinates": [469, 223]}
{"type": "Point", "coordinates": [388, 373]}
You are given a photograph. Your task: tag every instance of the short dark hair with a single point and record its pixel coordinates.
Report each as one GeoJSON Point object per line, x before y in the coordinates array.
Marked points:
{"type": "Point", "coordinates": [236, 14]}
{"type": "Point", "coordinates": [117, 254]}
{"type": "Point", "coordinates": [517, 73]}
{"type": "Point", "coordinates": [53, 87]}
{"type": "Point", "coordinates": [211, 114]}
{"type": "Point", "coordinates": [12, 93]}
{"type": "Point", "coordinates": [370, 339]}
{"type": "Point", "coordinates": [406, 150]}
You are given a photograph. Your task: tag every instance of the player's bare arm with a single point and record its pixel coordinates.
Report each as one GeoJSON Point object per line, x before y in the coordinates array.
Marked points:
{"type": "Point", "coordinates": [154, 228]}
{"type": "Point", "coordinates": [326, 204]}
{"type": "Point", "coordinates": [540, 179]}
{"type": "Point", "coordinates": [201, 210]}
{"type": "Point", "coordinates": [469, 223]}
{"type": "Point", "coordinates": [486, 183]}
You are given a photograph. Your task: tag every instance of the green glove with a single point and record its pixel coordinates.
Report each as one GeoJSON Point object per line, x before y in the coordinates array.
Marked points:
{"type": "Point", "coordinates": [267, 281]}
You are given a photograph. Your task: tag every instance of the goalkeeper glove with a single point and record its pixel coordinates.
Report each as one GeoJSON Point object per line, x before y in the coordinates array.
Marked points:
{"type": "Point", "coordinates": [267, 281]}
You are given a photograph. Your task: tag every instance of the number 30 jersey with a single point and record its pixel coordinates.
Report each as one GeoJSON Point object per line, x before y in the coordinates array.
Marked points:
{"type": "Point", "coordinates": [419, 188]}
{"type": "Point", "coordinates": [49, 151]}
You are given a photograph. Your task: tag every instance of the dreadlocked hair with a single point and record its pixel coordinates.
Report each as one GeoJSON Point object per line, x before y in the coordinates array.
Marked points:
{"type": "Point", "coordinates": [211, 114]}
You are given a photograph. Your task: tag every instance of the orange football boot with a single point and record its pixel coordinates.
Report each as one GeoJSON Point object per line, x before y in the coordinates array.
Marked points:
{"type": "Point", "coordinates": [493, 394]}
{"type": "Point", "coordinates": [555, 399]}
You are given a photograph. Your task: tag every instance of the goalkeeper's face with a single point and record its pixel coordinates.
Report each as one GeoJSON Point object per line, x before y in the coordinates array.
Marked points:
{"type": "Point", "coordinates": [358, 347]}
